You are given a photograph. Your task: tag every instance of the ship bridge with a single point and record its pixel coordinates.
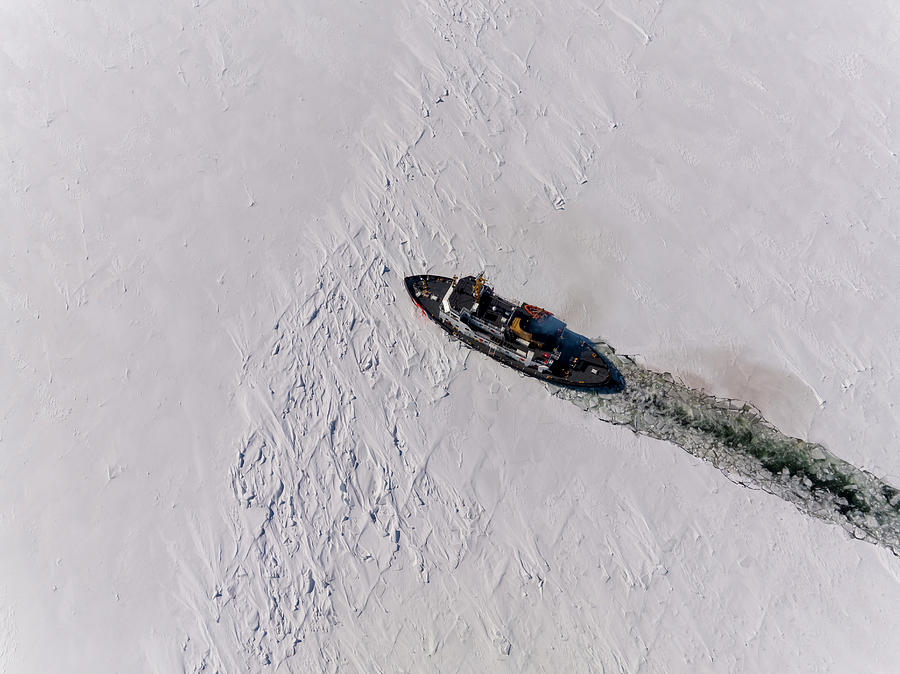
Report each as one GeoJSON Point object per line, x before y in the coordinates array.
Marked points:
{"type": "Point", "coordinates": [536, 326]}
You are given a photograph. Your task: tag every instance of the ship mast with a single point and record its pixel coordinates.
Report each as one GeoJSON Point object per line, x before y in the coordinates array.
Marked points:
{"type": "Point", "coordinates": [479, 286]}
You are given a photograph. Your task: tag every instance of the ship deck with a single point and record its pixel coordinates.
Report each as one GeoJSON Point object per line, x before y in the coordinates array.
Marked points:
{"type": "Point", "coordinates": [579, 365]}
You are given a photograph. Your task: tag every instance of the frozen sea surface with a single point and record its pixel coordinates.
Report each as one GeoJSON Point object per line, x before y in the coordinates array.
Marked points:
{"type": "Point", "coordinates": [736, 438]}
{"type": "Point", "coordinates": [229, 442]}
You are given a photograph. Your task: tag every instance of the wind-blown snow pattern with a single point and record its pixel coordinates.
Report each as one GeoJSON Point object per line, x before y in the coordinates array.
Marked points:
{"type": "Point", "coordinates": [378, 512]}
{"type": "Point", "coordinates": [329, 496]}
{"type": "Point", "coordinates": [734, 436]}
{"type": "Point", "coordinates": [229, 439]}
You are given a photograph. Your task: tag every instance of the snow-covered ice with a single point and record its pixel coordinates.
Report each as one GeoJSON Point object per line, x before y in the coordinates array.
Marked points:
{"type": "Point", "coordinates": [230, 443]}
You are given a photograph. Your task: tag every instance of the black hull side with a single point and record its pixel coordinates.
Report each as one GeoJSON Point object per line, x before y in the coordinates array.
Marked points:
{"type": "Point", "coordinates": [607, 380]}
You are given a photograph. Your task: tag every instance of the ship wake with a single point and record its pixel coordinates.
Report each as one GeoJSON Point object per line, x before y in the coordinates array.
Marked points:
{"type": "Point", "coordinates": [749, 450]}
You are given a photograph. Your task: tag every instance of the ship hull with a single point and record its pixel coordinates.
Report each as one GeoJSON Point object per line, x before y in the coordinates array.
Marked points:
{"type": "Point", "coordinates": [580, 365]}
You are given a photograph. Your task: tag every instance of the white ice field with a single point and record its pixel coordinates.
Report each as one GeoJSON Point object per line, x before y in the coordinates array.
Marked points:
{"type": "Point", "coordinates": [229, 442]}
